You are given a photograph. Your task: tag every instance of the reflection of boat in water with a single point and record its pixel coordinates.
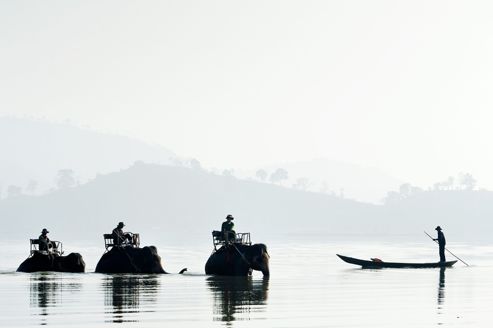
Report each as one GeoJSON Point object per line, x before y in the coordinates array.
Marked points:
{"type": "Point", "coordinates": [124, 294]}
{"type": "Point", "coordinates": [441, 287]}
{"type": "Point", "coordinates": [381, 264]}
{"type": "Point", "coordinates": [237, 295]}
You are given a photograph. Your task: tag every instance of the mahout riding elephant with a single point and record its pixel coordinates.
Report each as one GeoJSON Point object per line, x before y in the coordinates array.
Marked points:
{"type": "Point", "coordinates": [53, 262]}
{"type": "Point", "coordinates": [131, 260]}
{"type": "Point", "coordinates": [238, 260]}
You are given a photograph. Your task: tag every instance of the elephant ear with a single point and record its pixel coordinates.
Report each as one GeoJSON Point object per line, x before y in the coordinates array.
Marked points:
{"type": "Point", "coordinates": [263, 250]}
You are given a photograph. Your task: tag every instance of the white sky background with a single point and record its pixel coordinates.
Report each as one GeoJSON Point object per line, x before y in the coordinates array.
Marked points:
{"type": "Point", "coordinates": [400, 85]}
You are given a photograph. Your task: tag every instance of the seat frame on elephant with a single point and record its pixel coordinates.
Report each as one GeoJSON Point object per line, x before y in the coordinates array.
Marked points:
{"type": "Point", "coordinates": [109, 243]}
{"type": "Point", "coordinates": [34, 247]}
{"type": "Point", "coordinates": [219, 239]}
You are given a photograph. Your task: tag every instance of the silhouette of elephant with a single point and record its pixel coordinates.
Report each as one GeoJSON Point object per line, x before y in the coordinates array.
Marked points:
{"type": "Point", "coordinates": [131, 260]}
{"type": "Point", "coordinates": [53, 262]}
{"type": "Point", "coordinates": [238, 260]}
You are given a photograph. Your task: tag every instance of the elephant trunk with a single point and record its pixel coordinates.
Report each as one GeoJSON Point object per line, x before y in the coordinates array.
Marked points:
{"type": "Point", "coordinates": [262, 264]}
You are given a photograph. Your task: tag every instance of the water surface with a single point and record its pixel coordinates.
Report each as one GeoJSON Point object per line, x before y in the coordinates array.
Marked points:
{"type": "Point", "coordinates": [309, 287]}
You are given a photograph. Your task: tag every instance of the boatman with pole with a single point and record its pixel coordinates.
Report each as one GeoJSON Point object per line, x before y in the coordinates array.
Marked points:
{"type": "Point", "coordinates": [441, 243]}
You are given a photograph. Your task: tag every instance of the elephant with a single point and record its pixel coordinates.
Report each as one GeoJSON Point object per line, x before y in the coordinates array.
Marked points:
{"type": "Point", "coordinates": [131, 260]}
{"type": "Point", "coordinates": [238, 260]}
{"type": "Point", "coordinates": [53, 262]}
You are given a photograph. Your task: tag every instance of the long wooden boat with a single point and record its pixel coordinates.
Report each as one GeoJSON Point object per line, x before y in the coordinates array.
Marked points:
{"type": "Point", "coordinates": [378, 265]}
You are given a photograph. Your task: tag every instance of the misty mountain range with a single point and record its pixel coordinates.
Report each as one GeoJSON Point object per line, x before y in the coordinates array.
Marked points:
{"type": "Point", "coordinates": [175, 203]}
{"type": "Point", "coordinates": [178, 204]}
{"type": "Point", "coordinates": [121, 179]}
{"type": "Point", "coordinates": [33, 151]}
{"type": "Point", "coordinates": [36, 150]}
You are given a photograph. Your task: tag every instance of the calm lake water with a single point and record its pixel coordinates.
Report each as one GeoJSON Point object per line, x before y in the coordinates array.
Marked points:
{"type": "Point", "coordinates": [309, 287]}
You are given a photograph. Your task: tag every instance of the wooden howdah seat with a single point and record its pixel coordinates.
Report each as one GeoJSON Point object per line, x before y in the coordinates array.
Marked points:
{"type": "Point", "coordinates": [57, 247]}
{"type": "Point", "coordinates": [109, 241]}
{"type": "Point", "coordinates": [220, 239]}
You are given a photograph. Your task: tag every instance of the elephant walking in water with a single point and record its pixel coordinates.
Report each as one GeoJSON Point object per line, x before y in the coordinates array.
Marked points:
{"type": "Point", "coordinates": [53, 262]}
{"type": "Point", "coordinates": [238, 260]}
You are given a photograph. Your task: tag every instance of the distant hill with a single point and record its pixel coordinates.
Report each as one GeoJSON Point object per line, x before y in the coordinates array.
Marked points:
{"type": "Point", "coordinates": [34, 150]}
{"type": "Point", "coordinates": [177, 203]}
{"type": "Point", "coordinates": [169, 203]}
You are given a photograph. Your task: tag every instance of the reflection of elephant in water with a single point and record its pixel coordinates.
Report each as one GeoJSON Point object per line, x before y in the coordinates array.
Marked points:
{"type": "Point", "coordinates": [47, 289]}
{"type": "Point", "coordinates": [52, 262]}
{"type": "Point", "coordinates": [124, 293]}
{"type": "Point", "coordinates": [235, 296]}
{"type": "Point", "coordinates": [238, 260]}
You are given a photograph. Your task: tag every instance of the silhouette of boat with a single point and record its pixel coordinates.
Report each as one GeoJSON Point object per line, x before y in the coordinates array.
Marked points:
{"type": "Point", "coordinates": [380, 264]}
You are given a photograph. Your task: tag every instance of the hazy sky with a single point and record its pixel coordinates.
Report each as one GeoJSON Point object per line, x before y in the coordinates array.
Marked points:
{"type": "Point", "coordinates": [400, 85]}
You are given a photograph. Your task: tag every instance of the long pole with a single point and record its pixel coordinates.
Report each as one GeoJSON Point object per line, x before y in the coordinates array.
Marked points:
{"type": "Point", "coordinates": [447, 249]}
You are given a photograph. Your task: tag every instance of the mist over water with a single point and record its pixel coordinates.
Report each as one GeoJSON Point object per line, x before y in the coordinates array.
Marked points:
{"type": "Point", "coordinates": [324, 127]}
{"type": "Point", "coordinates": [309, 286]}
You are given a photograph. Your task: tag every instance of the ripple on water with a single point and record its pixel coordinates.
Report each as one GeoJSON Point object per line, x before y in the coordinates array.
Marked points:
{"type": "Point", "coordinates": [309, 287]}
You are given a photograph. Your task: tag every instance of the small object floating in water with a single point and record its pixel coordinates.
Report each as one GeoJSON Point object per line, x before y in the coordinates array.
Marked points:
{"type": "Point", "coordinates": [377, 263]}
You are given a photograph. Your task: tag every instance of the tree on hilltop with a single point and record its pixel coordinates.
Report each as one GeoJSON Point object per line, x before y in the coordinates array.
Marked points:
{"type": "Point", "coordinates": [65, 179]}
{"type": "Point", "coordinates": [278, 176]}
{"type": "Point", "coordinates": [261, 174]}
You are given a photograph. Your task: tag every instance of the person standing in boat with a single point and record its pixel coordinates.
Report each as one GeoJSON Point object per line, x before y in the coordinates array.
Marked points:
{"type": "Point", "coordinates": [227, 229]}
{"type": "Point", "coordinates": [441, 243]}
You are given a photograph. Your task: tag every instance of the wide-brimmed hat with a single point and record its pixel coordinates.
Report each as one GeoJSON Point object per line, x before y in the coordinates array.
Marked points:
{"type": "Point", "coordinates": [438, 228]}
{"type": "Point", "coordinates": [230, 217]}
{"type": "Point", "coordinates": [45, 231]}
{"type": "Point", "coordinates": [121, 224]}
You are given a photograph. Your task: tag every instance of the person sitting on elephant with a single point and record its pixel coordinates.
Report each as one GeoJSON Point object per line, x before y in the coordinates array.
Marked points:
{"type": "Point", "coordinates": [44, 242]}
{"type": "Point", "coordinates": [120, 237]}
{"type": "Point", "coordinates": [227, 229]}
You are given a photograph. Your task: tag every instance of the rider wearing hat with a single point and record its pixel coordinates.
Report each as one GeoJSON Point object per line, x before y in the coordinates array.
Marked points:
{"type": "Point", "coordinates": [227, 228]}
{"type": "Point", "coordinates": [441, 243]}
{"type": "Point", "coordinates": [120, 237]}
{"type": "Point", "coordinates": [44, 241]}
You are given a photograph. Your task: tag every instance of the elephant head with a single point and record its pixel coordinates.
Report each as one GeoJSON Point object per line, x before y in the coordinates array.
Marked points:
{"type": "Point", "coordinates": [71, 263]}
{"type": "Point", "coordinates": [259, 258]}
